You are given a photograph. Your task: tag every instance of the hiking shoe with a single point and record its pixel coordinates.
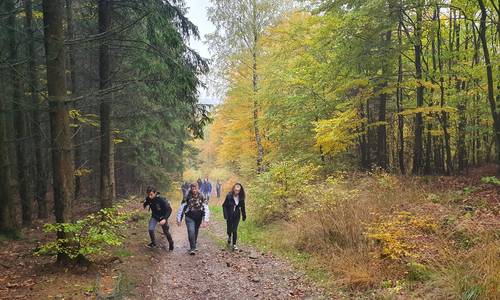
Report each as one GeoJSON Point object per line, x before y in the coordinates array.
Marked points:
{"type": "Point", "coordinates": [151, 245]}
{"type": "Point", "coordinates": [235, 247]}
{"type": "Point", "coordinates": [171, 247]}
{"type": "Point", "coordinates": [196, 249]}
{"type": "Point", "coordinates": [192, 252]}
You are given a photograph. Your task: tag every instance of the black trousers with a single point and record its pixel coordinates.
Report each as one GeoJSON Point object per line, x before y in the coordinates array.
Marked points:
{"type": "Point", "coordinates": [232, 227]}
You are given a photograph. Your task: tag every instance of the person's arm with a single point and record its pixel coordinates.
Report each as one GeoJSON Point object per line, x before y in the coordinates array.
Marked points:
{"type": "Point", "coordinates": [206, 217]}
{"type": "Point", "coordinates": [168, 208]}
{"type": "Point", "coordinates": [145, 202]}
{"type": "Point", "coordinates": [224, 207]}
{"type": "Point", "coordinates": [180, 212]}
{"type": "Point", "coordinates": [243, 210]}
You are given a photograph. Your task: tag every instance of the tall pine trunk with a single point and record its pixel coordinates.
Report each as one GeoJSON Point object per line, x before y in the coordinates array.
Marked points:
{"type": "Point", "coordinates": [62, 161]}
{"type": "Point", "coordinates": [20, 120]}
{"type": "Point", "coordinates": [72, 87]}
{"type": "Point", "coordinates": [7, 201]}
{"type": "Point", "coordinates": [107, 153]}
{"type": "Point", "coordinates": [39, 169]}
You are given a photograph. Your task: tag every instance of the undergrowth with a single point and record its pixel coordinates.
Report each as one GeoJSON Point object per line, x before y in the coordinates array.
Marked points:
{"type": "Point", "coordinates": [377, 234]}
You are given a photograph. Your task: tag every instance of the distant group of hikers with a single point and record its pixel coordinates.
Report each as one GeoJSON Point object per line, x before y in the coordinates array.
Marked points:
{"type": "Point", "coordinates": [204, 186]}
{"type": "Point", "coordinates": [195, 211]}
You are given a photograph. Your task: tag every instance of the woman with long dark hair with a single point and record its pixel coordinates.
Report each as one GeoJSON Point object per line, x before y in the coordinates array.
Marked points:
{"type": "Point", "coordinates": [234, 209]}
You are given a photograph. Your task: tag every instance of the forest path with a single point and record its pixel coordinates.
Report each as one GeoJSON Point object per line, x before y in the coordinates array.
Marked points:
{"type": "Point", "coordinates": [216, 273]}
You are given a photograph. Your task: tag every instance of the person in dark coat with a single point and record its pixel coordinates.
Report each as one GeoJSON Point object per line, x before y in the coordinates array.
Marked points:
{"type": "Point", "coordinates": [160, 211]}
{"type": "Point", "coordinates": [234, 210]}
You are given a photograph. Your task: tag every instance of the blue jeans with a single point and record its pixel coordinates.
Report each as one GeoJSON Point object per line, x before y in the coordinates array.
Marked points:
{"type": "Point", "coordinates": [193, 226]}
{"type": "Point", "coordinates": [165, 228]}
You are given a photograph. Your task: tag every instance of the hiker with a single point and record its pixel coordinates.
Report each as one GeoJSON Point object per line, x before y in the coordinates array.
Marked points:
{"type": "Point", "coordinates": [185, 189]}
{"type": "Point", "coordinates": [195, 210]}
{"type": "Point", "coordinates": [218, 189]}
{"type": "Point", "coordinates": [202, 187]}
{"type": "Point", "coordinates": [199, 182]}
{"type": "Point", "coordinates": [160, 211]}
{"type": "Point", "coordinates": [234, 209]}
{"type": "Point", "coordinates": [207, 189]}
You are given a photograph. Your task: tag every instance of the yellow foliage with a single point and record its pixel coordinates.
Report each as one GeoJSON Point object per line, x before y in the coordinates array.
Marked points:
{"type": "Point", "coordinates": [88, 119]}
{"type": "Point", "coordinates": [81, 172]}
{"type": "Point", "coordinates": [398, 234]}
{"type": "Point", "coordinates": [336, 135]}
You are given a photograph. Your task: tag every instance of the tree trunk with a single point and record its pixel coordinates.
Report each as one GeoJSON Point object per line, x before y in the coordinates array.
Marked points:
{"type": "Point", "coordinates": [363, 143]}
{"type": "Point", "coordinates": [489, 74]}
{"type": "Point", "coordinates": [399, 104]}
{"type": "Point", "coordinates": [39, 171]}
{"type": "Point", "coordinates": [258, 137]}
{"type": "Point", "coordinates": [461, 106]}
{"type": "Point", "coordinates": [20, 120]}
{"type": "Point", "coordinates": [106, 157]}
{"type": "Point", "coordinates": [444, 114]}
{"type": "Point", "coordinates": [382, 127]}
{"type": "Point", "coordinates": [436, 141]}
{"type": "Point", "coordinates": [419, 122]}
{"type": "Point", "coordinates": [62, 161]}
{"type": "Point", "coordinates": [8, 224]}
{"type": "Point", "coordinates": [72, 87]}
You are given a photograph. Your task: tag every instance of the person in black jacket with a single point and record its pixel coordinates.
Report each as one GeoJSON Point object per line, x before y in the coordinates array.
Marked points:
{"type": "Point", "coordinates": [160, 211]}
{"type": "Point", "coordinates": [234, 209]}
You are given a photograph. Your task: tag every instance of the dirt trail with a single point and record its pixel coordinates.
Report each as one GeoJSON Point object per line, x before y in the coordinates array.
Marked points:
{"type": "Point", "coordinates": [216, 273]}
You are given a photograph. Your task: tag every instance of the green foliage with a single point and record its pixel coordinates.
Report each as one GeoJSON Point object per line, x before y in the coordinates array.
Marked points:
{"type": "Point", "coordinates": [87, 236]}
{"type": "Point", "coordinates": [491, 180]}
{"type": "Point", "coordinates": [282, 188]}
{"type": "Point", "coordinates": [159, 111]}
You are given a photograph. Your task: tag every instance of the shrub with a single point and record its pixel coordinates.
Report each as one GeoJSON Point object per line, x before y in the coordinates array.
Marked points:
{"type": "Point", "coordinates": [399, 234]}
{"type": "Point", "coordinates": [491, 180]}
{"type": "Point", "coordinates": [279, 191]}
{"type": "Point", "coordinates": [90, 235]}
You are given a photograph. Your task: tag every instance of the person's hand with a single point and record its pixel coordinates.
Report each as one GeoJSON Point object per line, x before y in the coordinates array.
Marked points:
{"type": "Point", "coordinates": [244, 219]}
{"type": "Point", "coordinates": [163, 222]}
{"type": "Point", "coordinates": [204, 225]}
